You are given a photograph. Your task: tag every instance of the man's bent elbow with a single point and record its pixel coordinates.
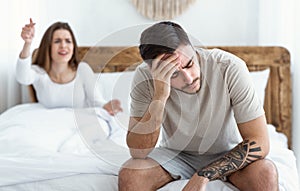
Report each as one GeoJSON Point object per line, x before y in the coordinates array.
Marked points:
{"type": "Point", "coordinates": [139, 153]}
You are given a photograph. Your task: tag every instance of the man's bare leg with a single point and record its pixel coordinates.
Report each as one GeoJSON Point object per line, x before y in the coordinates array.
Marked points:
{"type": "Point", "coordinates": [260, 175]}
{"type": "Point", "coordinates": [142, 174]}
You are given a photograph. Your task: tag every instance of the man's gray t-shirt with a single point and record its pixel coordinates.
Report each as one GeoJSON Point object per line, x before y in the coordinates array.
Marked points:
{"type": "Point", "coordinates": [204, 122]}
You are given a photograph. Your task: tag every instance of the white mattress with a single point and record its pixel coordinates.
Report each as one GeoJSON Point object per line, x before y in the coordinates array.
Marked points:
{"type": "Point", "coordinates": [62, 149]}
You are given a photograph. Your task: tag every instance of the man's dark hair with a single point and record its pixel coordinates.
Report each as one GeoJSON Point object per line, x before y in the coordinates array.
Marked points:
{"type": "Point", "coordinates": [160, 38]}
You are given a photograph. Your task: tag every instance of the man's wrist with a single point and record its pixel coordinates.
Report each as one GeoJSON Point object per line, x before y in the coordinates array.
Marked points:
{"type": "Point", "coordinates": [159, 97]}
{"type": "Point", "coordinates": [204, 174]}
{"type": "Point", "coordinates": [210, 176]}
{"type": "Point", "coordinates": [203, 178]}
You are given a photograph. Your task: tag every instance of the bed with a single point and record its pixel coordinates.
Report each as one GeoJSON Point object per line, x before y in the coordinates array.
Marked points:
{"type": "Point", "coordinates": [83, 149]}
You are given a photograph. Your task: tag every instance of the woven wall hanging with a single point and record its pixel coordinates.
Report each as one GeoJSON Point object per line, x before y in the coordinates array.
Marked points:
{"type": "Point", "coordinates": [162, 9]}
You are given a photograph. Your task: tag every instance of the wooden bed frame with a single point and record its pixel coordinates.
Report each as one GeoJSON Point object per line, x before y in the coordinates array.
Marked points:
{"type": "Point", "coordinates": [278, 92]}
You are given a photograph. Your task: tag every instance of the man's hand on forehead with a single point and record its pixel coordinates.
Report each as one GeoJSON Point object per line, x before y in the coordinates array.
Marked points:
{"type": "Point", "coordinates": [169, 57]}
{"type": "Point", "coordinates": [166, 56]}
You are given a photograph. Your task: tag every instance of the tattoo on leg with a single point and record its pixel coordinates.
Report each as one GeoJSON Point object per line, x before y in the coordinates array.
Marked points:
{"type": "Point", "coordinates": [239, 157]}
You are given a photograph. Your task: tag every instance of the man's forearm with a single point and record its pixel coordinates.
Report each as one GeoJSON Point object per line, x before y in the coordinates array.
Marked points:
{"type": "Point", "coordinates": [239, 157]}
{"type": "Point", "coordinates": [143, 134]}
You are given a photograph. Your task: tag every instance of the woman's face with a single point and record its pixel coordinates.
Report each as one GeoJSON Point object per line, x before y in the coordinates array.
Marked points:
{"type": "Point", "coordinates": [62, 47]}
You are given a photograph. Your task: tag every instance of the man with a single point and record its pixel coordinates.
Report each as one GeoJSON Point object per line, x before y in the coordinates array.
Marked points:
{"type": "Point", "coordinates": [213, 124]}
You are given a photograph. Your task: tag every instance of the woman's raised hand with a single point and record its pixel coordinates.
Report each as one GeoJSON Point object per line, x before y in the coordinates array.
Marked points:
{"type": "Point", "coordinates": [28, 31]}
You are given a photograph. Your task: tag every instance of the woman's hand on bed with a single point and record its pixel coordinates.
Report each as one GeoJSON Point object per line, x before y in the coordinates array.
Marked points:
{"type": "Point", "coordinates": [196, 183]}
{"type": "Point", "coordinates": [113, 107]}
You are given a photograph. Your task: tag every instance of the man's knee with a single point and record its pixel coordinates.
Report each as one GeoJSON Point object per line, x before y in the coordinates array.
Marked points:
{"type": "Point", "coordinates": [268, 171]}
{"type": "Point", "coordinates": [260, 175]}
{"type": "Point", "coordinates": [128, 179]}
{"type": "Point", "coordinates": [134, 173]}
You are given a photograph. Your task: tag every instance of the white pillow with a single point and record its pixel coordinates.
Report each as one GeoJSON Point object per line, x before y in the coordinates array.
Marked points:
{"type": "Point", "coordinates": [116, 85]}
{"type": "Point", "coordinates": [260, 81]}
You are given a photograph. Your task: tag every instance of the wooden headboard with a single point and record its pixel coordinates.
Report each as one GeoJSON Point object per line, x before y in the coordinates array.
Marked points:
{"type": "Point", "coordinates": [277, 103]}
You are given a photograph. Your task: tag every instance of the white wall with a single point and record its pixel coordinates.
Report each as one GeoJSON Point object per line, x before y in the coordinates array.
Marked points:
{"type": "Point", "coordinates": [296, 86]}
{"type": "Point", "coordinates": [230, 22]}
{"type": "Point", "coordinates": [116, 22]}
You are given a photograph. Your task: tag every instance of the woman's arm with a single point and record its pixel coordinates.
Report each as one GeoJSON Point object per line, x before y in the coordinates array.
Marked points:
{"type": "Point", "coordinates": [93, 93]}
{"type": "Point", "coordinates": [27, 35]}
{"type": "Point", "coordinates": [24, 74]}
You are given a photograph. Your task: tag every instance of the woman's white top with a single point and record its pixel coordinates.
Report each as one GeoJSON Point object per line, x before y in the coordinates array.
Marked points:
{"type": "Point", "coordinates": [80, 92]}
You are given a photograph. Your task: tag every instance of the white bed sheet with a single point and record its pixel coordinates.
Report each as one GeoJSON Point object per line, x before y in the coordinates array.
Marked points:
{"type": "Point", "coordinates": [48, 149]}
{"type": "Point", "coordinates": [39, 144]}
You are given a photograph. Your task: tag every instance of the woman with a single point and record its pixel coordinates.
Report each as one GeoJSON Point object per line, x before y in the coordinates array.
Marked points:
{"type": "Point", "coordinates": [56, 74]}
